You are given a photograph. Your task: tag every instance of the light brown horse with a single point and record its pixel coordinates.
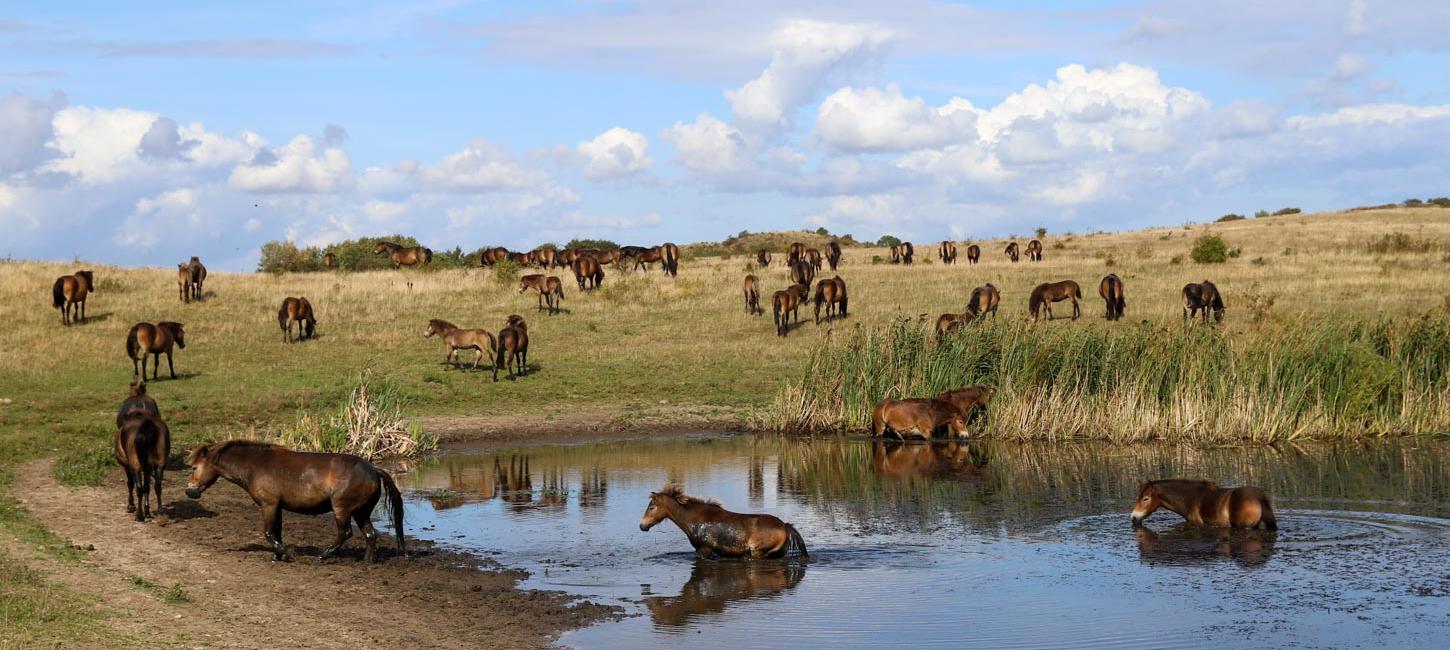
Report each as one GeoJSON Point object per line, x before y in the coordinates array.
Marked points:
{"type": "Point", "coordinates": [403, 255]}
{"type": "Point", "coordinates": [645, 257]}
{"type": "Point", "coordinates": [1034, 251]}
{"type": "Point", "coordinates": [762, 257]}
{"type": "Point", "coordinates": [607, 256]}
{"type": "Point", "coordinates": [1049, 292]}
{"type": "Point", "coordinates": [672, 258]}
{"type": "Point", "coordinates": [974, 253]}
{"type": "Point", "coordinates": [831, 292]}
{"type": "Point", "coordinates": [795, 252]}
{"type": "Point", "coordinates": [947, 324]}
{"type": "Point", "coordinates": [984, 300]}
{"type": "Point", "coordinates": [308, 483]}
{"type": "Point", "coordinates": [546, 257]}
{"type": "Point", "coordinates": [1203, 503]}
{"type": "Point", "coordinates": [786, 303]}
{"type": "Point", "coordinates": [802, 272]}
{"type": "Point", "coordinates": [456, 338]}
{"type": "Point", "coordinates": [296, 310]}
{"type": "Point", "coordinates": [1111, 289]}
{"type": "Point", "coordinates": [69, 295]}
{"type": "Point", "coordinates": [813, 257]}
{"type": "Point", "coordinates": [588, 272]}
{"type": "Point", "coordinates": [1011, 251]}
{"type": "Point", "coordinates": [329, 260]}
{"type": "Point", "coordinates": [198, 276]}
{"type": "Point", "coordinates": [751, 287]}
{"type": "Point", "coordinates": [142, 445]}
{"type": "Point", "coordinates": [513, 347]}
{"type": "Point", "coordinates": [183, 282]}
{"type": "Point", "coordinates": [908, 253]}
{"type": "Point", "coordinates": [917, 418]}
{"type": "Point", "coordinates": [947, 251]}
{"type": "Point", "coordinates": [717, 532]}
{"type": "Point", "coordinates": [145, 338]}
{"type": "Point", "coordinates": [1202, 297]}
{"type": "Point", "coordinates": [550, 289]}
{"type": "Point", "coordinates": [492, 256]}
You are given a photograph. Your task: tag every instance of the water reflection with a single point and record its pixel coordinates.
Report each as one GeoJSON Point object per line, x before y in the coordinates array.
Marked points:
{"type": "Point", "coordinates": [715, 584]}
{"type": "Point", "coordinates": [1188, 545]}
{"type": "Point", "coordinates": [940, 460]}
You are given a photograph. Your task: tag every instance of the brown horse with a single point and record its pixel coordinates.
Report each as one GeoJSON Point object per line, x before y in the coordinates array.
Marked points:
{"type": "Point", "coordinates": [1202, 297]}
{"type": "Point", "coordinates": [1049, 292]}
{"type": "Point", "coordinates": [1034, 251]}
{"type": "Point", "coordinates": [546, 257]}
{"type": "Point", "coordinates": [947, 251]}
{"type": "Point", "coordinates": [645, 257]}
{"type": "Point", "coordinates": [813, 257]}
{"type": "Point", "coordinates": [762, 257]}
{"type": "Point", "coordinates": [895, 254]}
{"type": "Point", "coordinates": [717, 532]}
{"type": "Point", "coordinates": [920, 418]}
{"type": "Point", "coordinates": [984, 300]}
{"type": "Point", "coordinates": [145, 338]}
{"type": "Point", "coordinates": [456, 338]}
{"type": "Point", "coordinates": [278, 479]}
{"type": "Point", "coordinates": [908, 253]}
{"type": "Point", "coordinates": [947, 324]}
{"type": "Point", "coordinates": [296, 310]}
{"type": "Point", "coordinates": [1011, 251]}
{"type": "Point", "coordinates": [492, 256]}
{"type": "Point", "coordinates": [1111, 289]}
{"type": "Point", "coordinates": [550, 290]}
{"type": "Point", "coordinates": [183, 282]}
{"type": "Point", "coordinates": [1203, 503]}
{"type": "Point", "coordinates": [69, 294]}
{"type": "Point", "coordinates": [403, 255]}
{"type": "Point", "coordinates": [751, 287]}
{"type": "Point", "coordinates": [786, 303]}
{"type": "Point", "coordinates": [588, 272]}
{"type": "Point", "coordinates": [833, 254]}
{"type": "Point", "coordinates": [137, 401]}
{"type": "Point", "coordinates": [831, 292]}
{"type": "Point", "coordinates": [513, 347]}
{"type": "Point", "coordinates": [198, 276]}
{"type": "Point", "coordinates": [974, 253]}
{"type": "Point", "coordinates": [329, 260]}
{"type": "Point", "coordinates": [802, 272]}
{"type": "Point", "coordinates": [672, 258]}
{"type": "Point", "coordinates": [607, 256]}
{"type": "Point", "coordinates": [142, 445]}
{"type": "Point", "coordinates": [794, 253]}
{"type": "Point", "coordinates": [521, 259]}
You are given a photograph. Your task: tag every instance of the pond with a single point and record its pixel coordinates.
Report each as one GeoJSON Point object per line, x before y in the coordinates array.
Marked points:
{"type": "Point", "coordinates": [966, 545]}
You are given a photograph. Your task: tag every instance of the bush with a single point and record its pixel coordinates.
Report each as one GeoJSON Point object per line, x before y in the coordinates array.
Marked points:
{"type": "Point", "coordinates": [1285, 211]}
{"type": "Point", "coordinates": [369, 422]}
{"type": "Point", "coordinates": [1231, 217]}
{"type": "Point", "coordinates": [1209, 249]}
{"type": "Point", "coordinates": [876, 259]}
{"type": "Point", "coordinates": [1176, 259]}
{"type": "Point", "coordinates": [1413, 203]}
{"type": "Point", "coordinates": [1440, 201]}
{"type": "Point", "coordinates": [286, 257]}
{"type": "Point", "coordinates": [1261, 214]}
{"type": "Point", "coordinates": [505, 271]}
{"type": "Point", "coordinates": [887, 241]}
{"type": "Point", "coordinates": [602, 244]}
{"type": "Point", "coordinates": [1041, 232]}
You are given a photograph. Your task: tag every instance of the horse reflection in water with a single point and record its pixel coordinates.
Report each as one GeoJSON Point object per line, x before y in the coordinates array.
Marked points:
{"type": "Point", "coordinates": [932, 460]}
{"type": "Point", "coordinates": [593, 487]}
{"type": "Point", "coordinates": [1186, 544]}
{"type": "Point", "coordinates": [714, 585]}
{"type": "Point", "coordinates": [515, 485]}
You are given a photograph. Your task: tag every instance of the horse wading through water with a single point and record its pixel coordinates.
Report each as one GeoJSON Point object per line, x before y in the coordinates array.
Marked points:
{"type": "Point", "coordinates": [925, 418]}
{"type": "Point", "coordinates": [1203, 503]}
{"type": "Point", "coordinates": [717, 532]}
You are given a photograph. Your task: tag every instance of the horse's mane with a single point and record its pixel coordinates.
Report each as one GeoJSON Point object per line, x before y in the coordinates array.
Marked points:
{"type": "Point", "coordinates": [211, 450]}
{"type": "Point", "coordinates": [90, 279]}
{"type": "Point", "coordinates": [441, 325]}
{"type": "Point", "coordinates": [678, 493]}
{"type": "Point", "coordinates": [171, 326]}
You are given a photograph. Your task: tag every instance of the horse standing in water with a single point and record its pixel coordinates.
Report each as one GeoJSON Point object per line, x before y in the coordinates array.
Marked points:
{"type": "Point", "coordinates": [751, 287]}
{"type": "Point", "coordinates": [296, 310]}
{"type": "Point", "coordinates": [947, 251]}
{"type": "Point", "coordinates": [974, 253]}
{"type": "Point", "coordinates": [984, 300]}
{"type": "Point", "coordinates": [717, 532]}
{"type": "Point", "coordinates": [145, 338]}
{"type": "Point", "coordinates": [69, 295]}
{"type": "Point", "coordinates": [1034, 250]}
{"type": "Point", "coordinates": [1202, 297]}
{"type": "Point", "coordinates": [142, 445]}
{"type": "Point", "coordinates": [1203, 503]}
{"type": "Point", "coordinates": [456, 338]}
{"type": "Point", "coordinates": [1111, 289]}
{"type": "Point", "coordinates": [403, 256]}
{"type": "Point", "coordinates": [833, 255]}
{"type": "Point", "coordinates": [831, 292]}
{"type": "Point", "coordinates": [1049, 292]}
{"type": "Point", "coordinates": [280, 479]}
{"type": "Point", "coordinates": [1011, 251]}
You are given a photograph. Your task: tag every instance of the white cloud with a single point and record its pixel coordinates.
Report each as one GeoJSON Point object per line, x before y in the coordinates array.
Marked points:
{"type": "Point", "coordinates": [479, 166]}
{"type": "Point", "coordinates": [26, 129]}
{"type": "Point", "coordinates": [1370, 114]}
{"type": "Point", "coordinates": [98, 145]}
{"type": "Point", "coordinates": [614, 153]}
{"type": "Point", "coordinates": [708, 145]}
{"type": "Point", "coordinates": [809, 55]}
{"type": "Point", "coordinates": [874, 119]}
{"type": "Point", "coordinates": [1088, 186]}
{"type": "Point", "coordinates": [298, 166]}
{"type": "Point", "coordinates": [874, 211]}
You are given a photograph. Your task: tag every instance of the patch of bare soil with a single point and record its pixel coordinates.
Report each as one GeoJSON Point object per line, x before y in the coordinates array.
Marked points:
{"type": "Point", "coordinates": [582, 425]}
{"type": "Point", "coordinates": [238, 597]}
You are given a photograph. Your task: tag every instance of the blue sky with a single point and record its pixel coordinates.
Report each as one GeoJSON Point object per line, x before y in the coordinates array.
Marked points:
{"type": "Point", "coordinates": [178, 130]}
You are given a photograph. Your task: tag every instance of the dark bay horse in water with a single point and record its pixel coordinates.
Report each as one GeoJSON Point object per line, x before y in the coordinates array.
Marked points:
{"type": "Point", "coordinates": [69, 295]}
{"type": "Point", "coordinates": [1012, 251]}
{"type": "Point", "coordinates": [280, 479]}
{"type": "Point", "coordinates": [513, 347]}
{"type": "Point", "coordinates": [751, 287]}
{"type": "Point", "coordinates": [1034, 250]}
{"type": "Point", "coordinates": [974, 253]}
{"type": "Point", "coordinates": [403, 255]}
{"type": "Point", "coordinates": [1202, 503]}
{"type": "Point", "coordinates": [947, 251]}
{"type": "Point", "coordinates": [948, 412]}
{"type": "Point", "coordinates": [717, 532]}
{"type": "Point", "coordinates": [456, 338]}
{"type": "Point", "coordinates": [831, 292]}
{"type": "Point", "coordinates": [984, 300]}
{"type": "Point", "coordinates": [1202, 297]}
{"type": "Point", "coordinates": [1111, 289]}
{"type": "Point", "coordinates": [145, 338]}
{"type": "Point", "coordinates": [1049, 292]}
{"type": "Point", "coordinates": [296, 310]}
{"type": "Point", "coordinates": [833, 254]}
{"type": "Point", "coordinates": [550, 289]}
{"type": "Point", "coordinates": [142, 446]}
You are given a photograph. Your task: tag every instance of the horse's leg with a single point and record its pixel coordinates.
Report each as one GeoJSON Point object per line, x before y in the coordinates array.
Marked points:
{"type": "Point", "coordinates": [477, 356]}
{"type": "Point", "coordinates": [160, 471]}
{"type": "Point", "coordinates": [364, 521]}
{"type": "Point", "coordinates": [272, 530]}
{"type": "Point", "coordinates": [344, 531]}
{"type": "Point", "coordinates": [1076, 311]}
{"type": "Point", "coordinates": [130, 489]}
{"type": "Point", "coordinates": [170, 366]}
{"type": "Point", "coordinates": [143, 496]}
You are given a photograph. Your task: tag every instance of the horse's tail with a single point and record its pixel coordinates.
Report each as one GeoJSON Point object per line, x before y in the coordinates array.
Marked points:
{"type": "Point", "coordinates": [671, 264]}
{"type": "Point", "coordinates": [395, 508]}
{"type": "Point", "coordinates": [282, 316]}
{"type": "Point", "coordinates": [133, 346]}
{"type": "Point", "coordinates": [57, 292]}
{"type": "Point", "coordinates": [1034, 303]}
{"type": "Point", "coordinates": [796, 541]}
{"type": "Point", "coordinates": [775, 311]}
{"type": "Point", "coordinates": [843, 304]}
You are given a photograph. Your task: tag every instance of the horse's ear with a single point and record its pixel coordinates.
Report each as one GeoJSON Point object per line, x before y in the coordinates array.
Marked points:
{"type": "Point", "coordinates": [196, 454]}
{"type": "Point", "coordinates": [682, 499]}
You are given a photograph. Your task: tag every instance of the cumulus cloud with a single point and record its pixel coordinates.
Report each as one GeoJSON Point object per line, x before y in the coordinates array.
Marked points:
{"type": "Point", "coordinates": [298, 166]}
{"type": "Point", "coordinates": [26, 130]}
{"type": "Point", "coordinates": [874, 119]}
{"type": "Point", "coordinates": [809, 56]}
{"type": "Point", "coordinates": [708, 145]}
{"type": "Point", "coordinates": [163, 141]}
{"type": "Point", "coordinates": [478, 167]}
{"type": "Point", "coordinates": [615, 153]}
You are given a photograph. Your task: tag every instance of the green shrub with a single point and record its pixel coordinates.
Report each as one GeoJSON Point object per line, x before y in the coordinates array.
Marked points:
{"type": "Point", "coordinates": [1231, 217]}
{"type": "Point", "coordinates": [1176, 259]}
{"type": "Point", "coordinates": [1209, 249]}
{"type": "Point", "coordinates": [368, 422]}
{"type": "Point", "coordinates": [505, 271]}
{"type": "Point", "coordinates": [1413, 203]}
{"type": "Point", "coordinates": [286, 257]}
{"type": "Point", "coordinates": [1440, 201]}
{"type": "Point", "coordinates": [887, 241]}
{"type": "Point", "coordinates": [1041, 232]}
{"type": "Point", "coordinates": [602, 244]}
{"type": "Point", "coordinates": [1261, 214]}
{"type": "Point", "coordinates": [1286, 211]}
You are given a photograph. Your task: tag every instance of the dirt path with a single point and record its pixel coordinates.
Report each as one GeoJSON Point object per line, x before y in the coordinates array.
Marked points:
{"type": "Point", "coordinates": [238, 597]}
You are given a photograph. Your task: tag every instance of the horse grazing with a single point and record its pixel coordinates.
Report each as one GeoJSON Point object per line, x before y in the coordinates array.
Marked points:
{"type": "Point", "coordinates": [813, 257]}
{"type": "Point", "coordinates": [895, 254]}
{"type": "Point", "coordinates": [786, 303]}
{"type": "Point", "coordinates": [137, 401]}
{"type": "Point", "coordinates": [296, 310]}
{"type": "Point", "coordinates": [1049, 292]}
{"type": "Point", "coordinates": [947, 251]}
{"type": "Point", "coordinates": [717, 532]}
{"type": "Point", "coordinates": [550, 289]}
{"type": "Point", "coordinates": [142, 445]}
{"type": "Point", "coordinates": [69, 294]}
{"type": "Point", "coordinates": [278, 479]}
{"type": "Point", "coordinates": [833, 254]}
{"type": "Point", "coordinates": [645, 257]}
{"type": "Point", "coordinates": [794, 253]}
{"type": "Point", "coordinates": [802, 272]}
{"type": "Point", "coordinates": [1111, 289]}
{"type": "Point", "coordinates": [1011, 251]}
{"type": "Point", "coordinates": [546, 257]}
{"type": "Point", "coordinates": [521, 259]}
{"type": "Point", "coordinates": [403, 256]}
{"type": "Point", "coordinates": [908, 252]}
{"type": "Point", "coordinates": [1034, 251]}
{"type": "Point", "coordinates": [329, 260]}
{"type": "Point", "coordinates": [455, 339]}
{"type": "Point", "coordinates": [974, 253]}
{"type": "Point", "coordinates": [1203, 503]}
{"type": "Point", "coordinates": [588, 272]}
{"type": "Point", "coordinates": [751, 287]}
{"type": "Point", "coordinates": [145, 338]}
{"type": "Point", "coordinates": [492, 256]}
{"type": "Point", "coordinates": [1202, 297]}
{"type": "Point", "coordinates": [831, 292]}
{"type": "Point", "coordinates": [607, 257]}
{"type": "Point", "coordinates": [762, 257]}
{"type": "Point", "coordinates": [513, 347]}
{"type": "Point", "coordinates": [947, 324]}
{"type": "Point", "coordinates": [672, 258]}
{"type": "Point", "coordinates": [984, 300]}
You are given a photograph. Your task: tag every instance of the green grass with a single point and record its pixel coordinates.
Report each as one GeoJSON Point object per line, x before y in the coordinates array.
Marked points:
{"type": "Point", "coordinates": [35, 613]}
{"type": "Point", "coordinates": [173, 595]}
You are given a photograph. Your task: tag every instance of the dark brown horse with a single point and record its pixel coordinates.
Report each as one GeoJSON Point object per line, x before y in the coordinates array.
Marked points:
{"type": "Point", "coordinates": [795, 252]}
{"type": "Point", "coordinates": [145, 338]}
{"type": "Point", "coordinates": [763, 258]}
{"type": "Point", "coordinates": [550, 289]}
{"type": "Point", "coordinates": [456, 338]}
{"type": "Point", "coordinates": [1049, 292]}
{"type": "Point", "coordinates": [513, 347]}
{"type": "Point", "coordinates": [813, 257]}
{"type": "Point", "coordinates": [492, 256]}
{"type": "Point", "coordinates": [137, 401]}
{"type": "Point", "coordinates": [1203, 503]}
{"type": "Point", "coordinates": [1111, 289]}
{"type": "Point", "coordinates": [1034, 251]}
{"type": "Point", "coordinates": [69, 295]}
{"type": "Point", "coordinates": [403, 255]}
{"type": "Point", "coordinates": [751, 287]}
{"type": "Point", "coordinates": [588, 272]}
{"type": "Point", "coordinates": [280, 479]}
{"type": "Point", "coordinates": [786, 303]}
{"type": "Point", "coordinates": [296, 310]}
{"type": "Point", "coordinates": [947, 251]}
{"type": "Point", "coordinates": [329, 260]}
{"type": "Point", "coordinates": [198, 276]}
{"type": "Point", "coordinates": [947, 324]}
{"type": "Point", "coordinates": [1011, 251]}
{"type": "Point", "coordinates": [645, 257]}
{"type": "Point", "coordinates": [521, 259]}
{"type": "Point", "coordinates": [672, 258]}
{"type": "Point", "coordinates": [895, 254]}
{"type": "Point", "coordinates": [717, 532]}
{"type": "Point", "coordinates": [908, 253]}
{"type": "Point", "coordinates": [607, 256]}
{"type": "Point", "coordinates": [802, 272]}
{"type": "Point", "coordinates": [833, 254]}
{"type": "Point", "coordinates": [142, 445]}
{"type": "Point", "coordinates": [984, 300]}
{"type": "Point", "coordinates": [1202, 297]}
{"type": "Point", "coordinates": [831, 292]}
{"type": "Point", "coordinates": [974, 253]}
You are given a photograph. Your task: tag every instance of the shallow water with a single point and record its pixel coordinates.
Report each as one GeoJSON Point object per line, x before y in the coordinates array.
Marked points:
{"type": "Point", "coordinates": [981, 545]}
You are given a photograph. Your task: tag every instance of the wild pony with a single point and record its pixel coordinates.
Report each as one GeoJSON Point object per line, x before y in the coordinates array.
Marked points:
{"type": "Point", "coordinates": [521, 259]}
{"type": "Point", "coordinates": [794, 252]}
{"type": "Point", "coordinates": [329, 260]}
{"type": "Point", "coordinates": [545, 256]}
{"type": "Point", "coordinates": [895, 254]}
{"type": "Point", "coordinates": [751, 287]}
{"type": "Point", "coordinates": [672, 258]}
{"type": "Point", "coordinates": [183, 282]}
{"type": "Point", "coordinates": [308, 483]}
{"type": "Point", "coordinates": [198, 276]}
{"type": "Point", "coordinates": [984, 300]}
{"type": "Point", "coordinates": [947, 251]}
{"type": "Point", "coordinates": [645, 257]}
{"type": "Point", "coordinates": [908, 252]}
{"type": "Point", "coordinates": [492, 256]}
{"type": "Point", "coordinates": [802, 272]}
{"type": "Point", "coordinates": [141, 448]}
{"type": "Point", "coordinates": [296, 310]}
{"type": "Point", "coordinates": [948, 412]}
{"type": "Point", "coordinates": [831, 292]}
{"type": "Point", "coordinates": [69, 295]}
{"type": "Point", "coordinates": [974, 253]}
{"type": "Point", "coordinates": [513, 347]}
{"type": "Point", "coordinates": [1203, 503]}
{"type": "Point", "coordinates": [606, 256]}
{"type": "Point", "coordinates": [456, 338]}
{"type": "Point", "coordinates": [145, 338]}
{"type": "Point", "coordinates": [137, 401]}
{"type": "Point", "coordinates": [1049, 292]}
{"type": "Point", "coordinates": [947, 324]}
{"type": "Point", "coordinates": [1202, 297]}
{"type": "Point", "coordinates": [833, 254]}
{"type": "Point", "coordinates": [550, 289]}
{"type": "Point", "coordinates": [762, 257]}
{"type": "Point", "coordinates": [588, 272]}
{"type": "Point", "coordinates": [1034, 251]}
{"type": "Point", "coordinates": [717, 532]}
{"type": "Point", "coordinates": [1111, 289]}
{"type": "Point", "coordinates": [813, 257]}
{"type": "Point", "coordinates": [403, 255]}
{"type": "Point", "coordinates": [786, 303]}
{"type": "Point", "coordinates": [1011, 251]}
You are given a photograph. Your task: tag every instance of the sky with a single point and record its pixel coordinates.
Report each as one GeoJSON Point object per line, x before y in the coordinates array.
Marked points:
{"type": "Point", "coordinates": [147, 136]}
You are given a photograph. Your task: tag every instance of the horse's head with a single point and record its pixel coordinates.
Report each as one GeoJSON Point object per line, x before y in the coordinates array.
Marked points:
{"type": "Point", "coordinates": [1150, 498]}
{"type": "Point", "coordinates": [958, 426]}
{"type": "Point", "coordinates": [177, 333]}
{"type": "Point", "coordinates": [517, 321]}
{"type": "Point", "coordinates": [381, 248]}
{"type": "Point", "coordinates": [659, 507]}
{"type": "Point", "coordinates": [434, 327]}
{"type": "Point", "coordinates": [203, 470]}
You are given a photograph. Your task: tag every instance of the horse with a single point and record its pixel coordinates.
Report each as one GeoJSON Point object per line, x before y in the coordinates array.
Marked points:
{"type": "Point", "coordinates": [923, 418]}
{"type": "Point", "coordinates": [183, 282]}
{"type": "Point", "coordinates": [785, 303]}
{"type": "Point", "coordinates": [545, 256]}
{"type": "Point", "coordinates": [606, 257]}
{"type": "Point", "coordinates": [142, 445]}
{"type": "Point", "coordinates": [895, 254]}
{"type": "Point", "coordinates": [296, 310]}
{"type": "Point", "coordinates": [521, 259]}
{"type": "Point", "coordinates": [813, 257]}
{"type": "Point", "coordinates": [984, 300]}
{"type": "Point", "coordinates": [1202, 297]}
{"type": "Point", "coordinates": [588, 271]}
{"type": "Point", "coordinates": [717, 532]}
{"type": "Point", "coordinates": [1049, 292]}
{"type": "Point", "coordinates": [833, 255]}
{"type": "Point", "coordinates": [403, 256]}
{"type": "Point", "coordinates": [802, 272]}
{"type": "Point", "coordinates": [672, 258]}
{"type": "Point", "coordinates": [492, 256]}
{"type": "Point", "coordinates": [329, 260]}
{"type": "Point", "coordinates": [1111, 289]}
{"type": "Point", "coordinates": [456, 338]}
{"type": "Point", "coordinates": [947, 251]}
{"type": "Point", "coordinates": [947, 324]}
{"type": "Point", "coordinates": [762, 257]}
{"type": "Point", "coordinates": [513, 347]}
{"type": "Point", "coordinates": [1034, 251]}
{"type": "Point", "coordinates": [751, 287]}
{"type": "Point", "coordinates": [794, 252]}
{"type": "Point", "coordinates": [198, 276]}
{"type": "Point", "coordinates": [830, 292]}
{"type": "Point", "coordinates": [308, 483]}
{"type": "Point", "coordinates": [1011, 251]}
{"type": "Point", "coordinates": [137, 401]}
{"type": "Point", "coordinates": [145, 338]}
{"type": "Point", "coordinates": [646, 257]}
{"type": "Point", "coordinates": [974, 253]}
{"type": "Point", "coordinates": [69, 294]}
{"type": "Point", "coordinates": [1202, 503]}
{"type": "Point", "coordinates": [907, 253]}
{"type": "Point", "coordinates": [550, 290]}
